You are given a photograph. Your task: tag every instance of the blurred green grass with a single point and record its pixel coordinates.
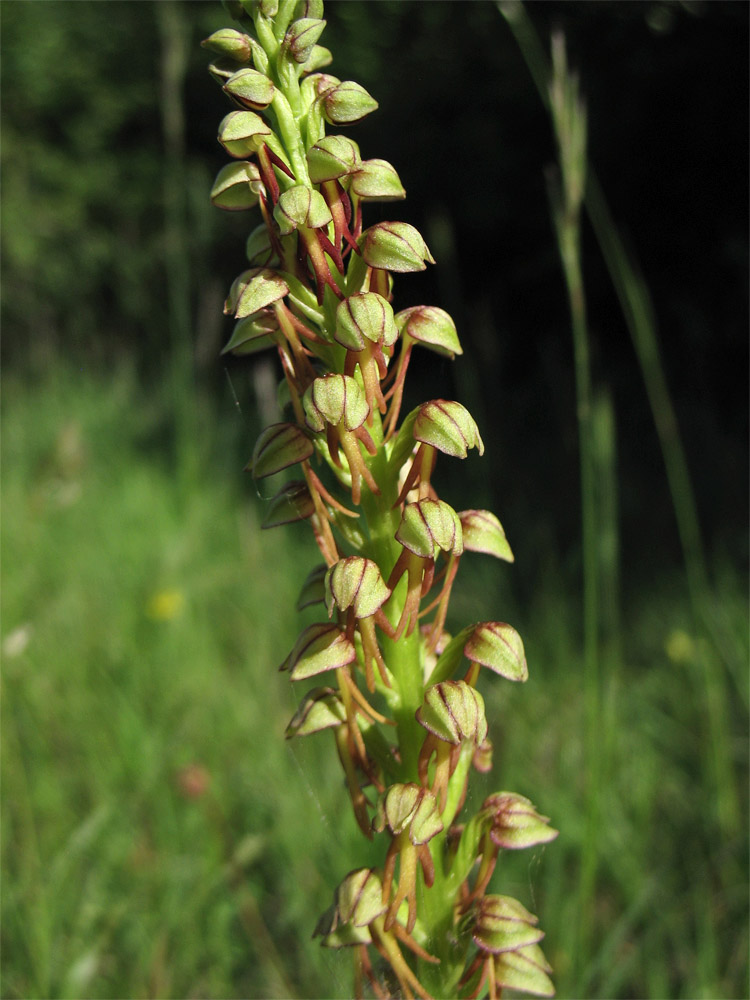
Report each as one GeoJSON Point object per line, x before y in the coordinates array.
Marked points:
{"type": "Point", "coordinates": [159, 837]}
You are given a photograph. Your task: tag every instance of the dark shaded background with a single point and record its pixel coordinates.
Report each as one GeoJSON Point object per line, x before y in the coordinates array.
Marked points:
{"type": "Point", "coordinates": [87, 178]}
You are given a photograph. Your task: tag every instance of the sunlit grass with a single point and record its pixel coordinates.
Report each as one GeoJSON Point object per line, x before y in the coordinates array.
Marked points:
{"type": "Point", "coordinates": [160, 839]}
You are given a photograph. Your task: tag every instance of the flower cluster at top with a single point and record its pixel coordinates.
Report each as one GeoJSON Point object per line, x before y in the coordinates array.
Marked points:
{"type": "Point", "coordinates": [318, 290]}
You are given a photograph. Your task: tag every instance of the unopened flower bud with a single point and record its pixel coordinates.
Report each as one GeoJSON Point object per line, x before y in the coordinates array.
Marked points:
{"type": "Point", "coordinates": [319, 56]}
{"type": "Point", "coordinates": [346, 103]}
{"type": "Point", "coordinates": [453, 711]}
{"type": "Point", "coordinates": [313, 589]}
{"type": "Point", "coordinates": [253, 290]}
{"type": "Point", "coordinates": [302, 35]}
{"type": "Point", "coordinates": [258, 248]}
{"type": "Point", "coordinates": [359, 898]}
{"type": "Point", "coordinates": [301, 206]}
{"type": "Point", "coordinates": [355, 583]}
{"type": "Point", "coordinates": [484, 533]}
{"type": "Point", "coordinates": [319, 648]}
{"type": "Point", "coordinates": [309, 8]}
{"type": "Point", "coordinates": [292, 503]}
{"type": "Point", "coordinates": [269, 8]}
{"type": "Point", "coordinates": [236, 186]}
{"type": "Point", "coordinates": [278, 447]}
{"type": "Point", "coordinates": [449, 427]}
{"type": "Point", "coordinates": [395, 246]}
{"type": "Point", "coordinates": [320, 709]}
{"type": "Point", "coordinates": [377, 180]}
{"type": "Point", "coordinates": [332, 157]}
{"type": "Point", "coordinates": [524, 970]}
{"type": "Point", "coordinates": [428, 527]}
{"type": "Point", "coordinates": [242, 133]}
{"type": "Point", "coordinates": [503, 924]}
{"type": "Point", "coordinates": [514, 822]}
{"type": "Point", "coordinates": [252, 334]}
{"type": "Point", "coordinates": [251, 89]}
{"type": "Point", "coordinates": [430, 326]}
{"type": "Point", "coordinates": [413, 808]}
{"type": "Point", "coordinates": [335, 399]}
{"type": "Point", "coordinates": [500, 648]}
{"type": "Point", "coordinates": [365, 316]}
{"type": "Point", "coordinates": [230, 43]}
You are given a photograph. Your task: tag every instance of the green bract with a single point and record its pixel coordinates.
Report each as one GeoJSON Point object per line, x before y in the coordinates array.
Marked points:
{"type": "Point", "coordinates": [403, 708]}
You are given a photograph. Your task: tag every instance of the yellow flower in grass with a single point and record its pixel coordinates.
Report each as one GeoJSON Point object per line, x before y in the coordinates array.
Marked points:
{"type": "Point", "coordinates": [680, 646]}
{"type": "Point", "coordinates": [164, 605]}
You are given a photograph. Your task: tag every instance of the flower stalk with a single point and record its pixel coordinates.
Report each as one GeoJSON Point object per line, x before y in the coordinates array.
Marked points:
{"type": "Point", "coordinates": [400, 695]}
